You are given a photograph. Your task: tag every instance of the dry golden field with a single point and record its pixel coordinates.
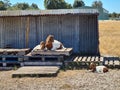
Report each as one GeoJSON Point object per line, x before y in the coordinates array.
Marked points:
{"type": "Point", "coordinates": [109, 32]}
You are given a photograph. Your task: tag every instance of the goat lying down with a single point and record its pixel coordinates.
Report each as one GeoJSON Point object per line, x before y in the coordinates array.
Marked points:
{"type": "Point", "coordinates": [98, 69]}
{"type": "Point", "coordinates": [50, 44]}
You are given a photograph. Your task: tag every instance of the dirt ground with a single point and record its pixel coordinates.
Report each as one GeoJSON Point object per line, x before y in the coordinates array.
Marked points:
{"type": "Point", "coordinates": [68, 80]}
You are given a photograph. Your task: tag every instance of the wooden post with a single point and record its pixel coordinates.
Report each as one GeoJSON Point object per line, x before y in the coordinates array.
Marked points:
{"type": "Point", "coordinates": [27, 31]}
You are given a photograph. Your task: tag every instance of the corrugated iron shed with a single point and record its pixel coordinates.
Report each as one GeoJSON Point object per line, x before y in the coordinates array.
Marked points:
{"type": "Point", "coordinates": [75, 28]}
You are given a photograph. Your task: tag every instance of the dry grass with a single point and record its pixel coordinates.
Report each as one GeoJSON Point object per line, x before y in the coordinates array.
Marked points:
{"type": "Point", "coordinates": [109, 37]}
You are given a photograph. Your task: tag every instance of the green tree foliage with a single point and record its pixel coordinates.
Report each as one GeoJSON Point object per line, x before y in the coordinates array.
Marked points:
{"type": "Point", "coordinates": [34, 6]}
{"type": "Point", "coordinates": [2, 6]}
{"type": "Point", "coordinates": [24, 6]}
{"type": "Point", "coordinates": [78, 3]}
{"type": "Point", "coordinates": [97, 4]}
{"type": "Point", "coordinates": [21, 6]}
{"type": "Point", "coordinates": [56, 4]}
{"type": "Point", "coordinates": [114, 15]}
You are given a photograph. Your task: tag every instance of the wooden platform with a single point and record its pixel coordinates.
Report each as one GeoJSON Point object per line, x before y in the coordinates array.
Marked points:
{"type": "Point", "coordinates": [41, 60]}
{"type": "Point", "coordinates": [18, 52]}
{"type": "Point", "coordinates": [11, 60]}
{"type": "Point", "coordinates": [84, 61]}
{"type": "Point", "coordinates": [36, 71]}
{"type": "Point", "coordinates": [64, 51]}
{"type": "Point", "coordinates": [88, 59]}
{"type": "Point", "coordinates": [112, 61]}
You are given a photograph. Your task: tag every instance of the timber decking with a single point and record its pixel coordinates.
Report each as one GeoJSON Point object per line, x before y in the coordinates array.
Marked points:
{"type": "Point", "coordinates": [84, 61]}
{"type": "Point", "coordinates": [64, 51]}
{"type": "Point", "coordinates": [112, 61]}
{"type": "Point", "coordinates": [88, 59]}
{"type": "Point", "coordinates": [11, 60]}
{"type": "Point", "coordinates": [17, 52]}
{"type": "Point", "coordinates": [36, 71]}
{"type": "Point", "coordinates": [41, 60]}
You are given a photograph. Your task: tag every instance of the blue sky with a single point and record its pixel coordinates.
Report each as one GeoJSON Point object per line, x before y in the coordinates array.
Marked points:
{"type": "Point", "coordinates": [110, 5]}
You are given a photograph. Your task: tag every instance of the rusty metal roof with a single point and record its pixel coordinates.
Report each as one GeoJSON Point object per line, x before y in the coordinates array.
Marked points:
{"type": "Point", "coordinates": [48, 12]}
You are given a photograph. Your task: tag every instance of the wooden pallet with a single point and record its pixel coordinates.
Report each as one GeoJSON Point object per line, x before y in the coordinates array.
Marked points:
{"type": "Point", "coordinates": [112, 61]}
{"type": "Point", "coordinates": [64, 51]}
{"type": "Point", "coordinates": [88, 59]}
{"type": "Point", "coordinates": [10, 60]}
{"type": "Point", "coordinates": [36, 71]}
{"type": "Point", "coordinates": [84, 61]}
{"type": "Point", "coordinates": [14, 51]}
{"type": "Point", "coordinates": [43, 60]}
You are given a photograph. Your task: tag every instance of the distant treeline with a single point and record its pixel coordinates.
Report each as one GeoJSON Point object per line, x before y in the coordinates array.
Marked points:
{"type": "Point", "coordinates": [114, 15]}
{"type": "Point", "coordinates": [48, 4]}
{"type": "Point", "coordinates": [6, 5]}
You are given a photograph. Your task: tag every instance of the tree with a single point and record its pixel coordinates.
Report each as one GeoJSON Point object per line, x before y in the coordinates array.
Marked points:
{"type": "Point", "coordinates": [114, 15]}
{"type": "Point", "coordinates": [20, 6]}
{"type": "Point", "coordinates": [2, 6]}
{"type": "Point", "coordinates": [23, 6]}
{"type": "Point", "coordinates": [78, 3]}
{"type": "Point", "coordinates": [56, 4]}
{"type": "Point", "coordinates": [34, 6]}
{"type": "Point", "coordinates": [7, 3]}
{"type": "Point", "coordinates": [97, 4]}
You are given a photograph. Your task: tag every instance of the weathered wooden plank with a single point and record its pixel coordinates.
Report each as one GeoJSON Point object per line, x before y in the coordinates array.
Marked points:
{"type": "Point", "coordinates": [80, 58]}
{"type": "Point", "coordinates": [76, 59]}
{"type": "Point", "coordinates": [84, 59]}
{"type": "Point", "coordinates": [111, 62]}
{"type": "Point", "coordinates": [6, 68]}
{"type": "Point", "coordinates": [62, 50]}
{"type": "Point", "coordinates": [50, 52]}
{"type": "Point", "coordinates": [101, 59]}
{"type": "Point", "coordinates": [69, 49]}
{"type": "Point", "coordinates": [106, 62]}
{"type": "Point", "coordinates": [116, 62]}
{"type": "Point", "coordinates": [96, 59]}
{"type": "Point", "coordinates": [14, 51]}
{"type": "Point", "coordinates": [88, 59]}
{"type": "Point", "coordinates": [93, 58]}
{"type": "Point", "coordinates": [36, 70]}
{"type": "Point", "coordinates": [42, 63]}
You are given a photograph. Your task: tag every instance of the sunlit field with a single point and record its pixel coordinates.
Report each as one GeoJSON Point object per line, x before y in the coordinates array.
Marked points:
{"type": "Point", "coordinates": [109, 32]}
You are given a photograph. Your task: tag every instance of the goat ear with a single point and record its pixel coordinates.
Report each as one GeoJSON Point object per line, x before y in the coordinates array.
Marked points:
{"type": "Point", "coordinates": [105, 69]}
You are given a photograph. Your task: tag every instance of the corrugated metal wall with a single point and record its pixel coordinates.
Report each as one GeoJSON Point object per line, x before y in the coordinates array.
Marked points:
{"type": "Point", "coordinates": [77, 31]}
{"type": "Point", "coordinates": [88, 34]}
{"type": "Point", "coordinates": [13, 32]}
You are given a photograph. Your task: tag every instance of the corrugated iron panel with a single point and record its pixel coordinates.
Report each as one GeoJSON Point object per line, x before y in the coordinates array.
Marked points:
{"type": "Point", "coordinates": [1, 32]}
{"type": "Point", "coordinates": [88, 35]}
{"type": "Point", "coordinates": [33, 34]}
{"type": "Point", "coordinates": [14, 32]}
{"type": "Point", "coordinates": [68, 32]}
{"type": "Point", "coordinates": [48, 12]}
{"type": "Point", "coordinates": [50, 26]}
